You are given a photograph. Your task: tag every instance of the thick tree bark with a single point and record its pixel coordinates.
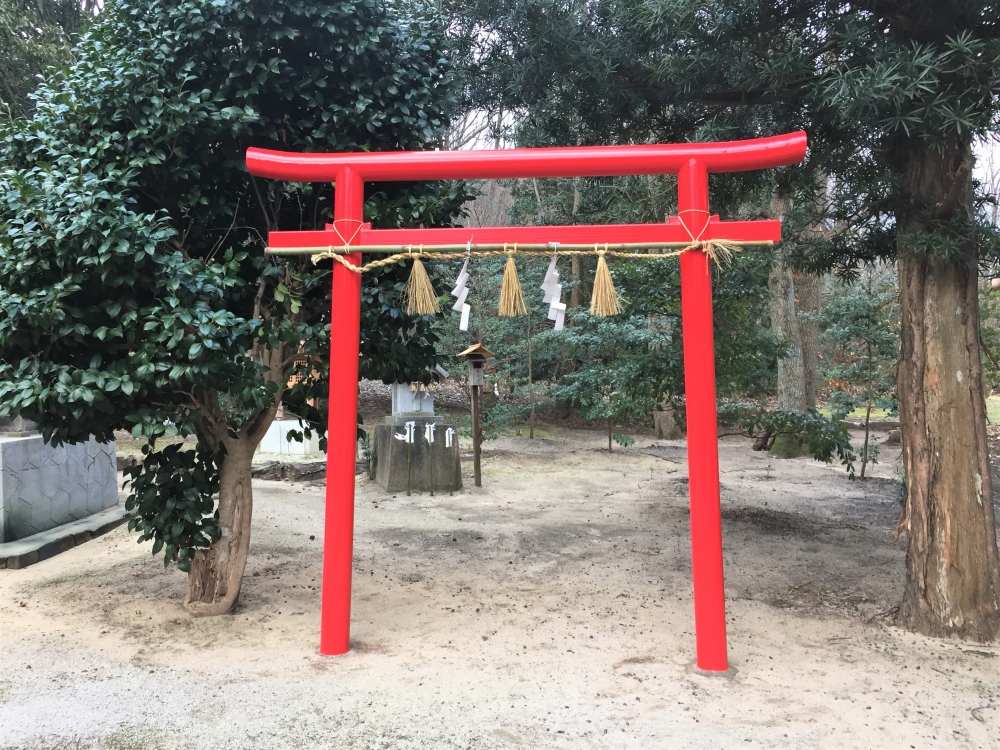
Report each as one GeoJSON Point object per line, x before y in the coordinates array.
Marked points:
{"type": "Point", "coordinates": [574, 293]}
{"type": "Point", "coordinates": [952, 563]}
{"type": "Point", "coordinates": [807, 288]}
{"type": "Point", "coordinates": [785, 324]}
{"type": "Point", "coordinates": [217, 572]}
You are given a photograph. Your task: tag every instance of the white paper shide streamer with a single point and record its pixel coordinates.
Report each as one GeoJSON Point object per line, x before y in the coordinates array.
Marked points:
{"type": "Point", "coordinates": [408, 436]}
{"type": "Point", "coordinates": [461, 293]}
{"type": "Point", "coordinates": [553, 295]}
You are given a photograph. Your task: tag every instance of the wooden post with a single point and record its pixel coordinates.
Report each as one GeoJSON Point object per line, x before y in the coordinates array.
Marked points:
{"type": "Point", "coordinates": [477, 437]}
{"type": "Point", "coordinates": [531, 386]}
{"type": "Point", "coordinates": [477, 354]}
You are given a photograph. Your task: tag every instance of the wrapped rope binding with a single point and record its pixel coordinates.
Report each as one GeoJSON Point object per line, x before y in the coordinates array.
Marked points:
{"type": "Point", "coordinates": [420, 297]}
{"type": "Point", "coordinates": [511, 299]}
{"type": "Point", "coordinates": [604, 301]}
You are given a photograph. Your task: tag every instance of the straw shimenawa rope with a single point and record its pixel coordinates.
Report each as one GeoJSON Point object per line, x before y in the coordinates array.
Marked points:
{"type": "Point", "coordinates": [511, 299]}
{"type": "Point", "coordinates": [604, 300]}
{"type": "Point", "coordinates": [420, 293]}
{"type": "Point", "coordinates": [420, 297]}
{"type": "Point", "coordinates": [719, 250]}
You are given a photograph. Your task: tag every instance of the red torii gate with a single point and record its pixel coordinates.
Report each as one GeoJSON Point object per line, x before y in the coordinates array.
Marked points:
{"type": "Point", "coordinates": [691, 162]}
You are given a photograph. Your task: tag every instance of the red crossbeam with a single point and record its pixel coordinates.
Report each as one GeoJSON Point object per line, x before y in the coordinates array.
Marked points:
{"type": "Point", "coordinates": [568, 161]}
{"type": "Point", "coordinates": [614, 234]}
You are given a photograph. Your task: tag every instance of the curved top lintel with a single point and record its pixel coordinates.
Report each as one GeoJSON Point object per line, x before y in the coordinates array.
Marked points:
{"type": "Point", "coordinates": [570, 161]}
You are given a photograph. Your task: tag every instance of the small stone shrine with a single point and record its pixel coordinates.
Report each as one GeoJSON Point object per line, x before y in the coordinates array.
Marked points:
{"type": "Point", "coordinates": [415, 450]}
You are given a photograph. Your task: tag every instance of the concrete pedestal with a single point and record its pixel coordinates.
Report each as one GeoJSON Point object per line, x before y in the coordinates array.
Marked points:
{"type": "Point", "coordinates": [420, 466]}
{"type": "Point", "coordinates": [42, 487]}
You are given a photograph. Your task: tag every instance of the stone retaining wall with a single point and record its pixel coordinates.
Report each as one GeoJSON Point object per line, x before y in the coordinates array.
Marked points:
{"type": "Point", "coordinates": [42, 487]}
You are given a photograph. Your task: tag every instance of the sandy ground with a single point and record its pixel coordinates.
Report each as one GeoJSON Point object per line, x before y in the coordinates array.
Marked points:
{"type": "Point", "coordinates": [552, 609]}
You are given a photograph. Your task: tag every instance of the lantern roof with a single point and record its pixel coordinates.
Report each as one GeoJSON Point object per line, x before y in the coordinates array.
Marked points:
{"type": "Point", "coordinates": [476, 351]}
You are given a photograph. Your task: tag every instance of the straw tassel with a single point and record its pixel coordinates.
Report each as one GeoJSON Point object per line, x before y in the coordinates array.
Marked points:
{"type": "Point", "coordinates": [420, 297]}
{"type": "Point", "coordinates": [605, 299]}
{"type": "Point", "coordinates": [511, 299]}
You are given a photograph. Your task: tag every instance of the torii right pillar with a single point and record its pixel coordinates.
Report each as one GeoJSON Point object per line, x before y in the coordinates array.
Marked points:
{"type": "Point", "coordinates": [702, 426]}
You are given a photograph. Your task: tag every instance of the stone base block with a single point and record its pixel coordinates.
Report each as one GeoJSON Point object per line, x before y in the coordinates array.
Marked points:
{"type": "Point", "coordinates": [38, 547]}
{"type": "Point", "coordinates": [420, 466]}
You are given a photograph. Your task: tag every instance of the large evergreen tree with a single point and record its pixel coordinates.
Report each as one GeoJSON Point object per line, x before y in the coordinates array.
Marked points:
{"type": "Point", "coordinates": [894, 95]}
{"type": "Point", "coordinates": [35, 35]}
{"type": "Point", "coordinates": [135, 292]}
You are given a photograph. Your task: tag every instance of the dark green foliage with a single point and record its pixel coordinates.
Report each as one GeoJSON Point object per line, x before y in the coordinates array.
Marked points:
{"type": "Point", "coordinates": [624, 366]}
{"type": "Point", "coordinates": [100, 317]}
{"type": "Point", "coordinates": [859, 321]}
{"type": "Point", "coordinates": [823, 438]}
{"type": "Point", "coordinates": [184, 522]}
{"type": "Point", "coordinates": [629, 365]}
{"type": "Point", "coordinates": [34, 35]}
{"type": "Point", "coordinates": [871, 83]}
{"type": "Point", "coordinates": [744, 348]}
{"type": "Point", "coordinates": [136, 293]}
{"type": "Point", "coordinates": [989, 333]}
{"type": "Point", "coordinates": [614, 356]}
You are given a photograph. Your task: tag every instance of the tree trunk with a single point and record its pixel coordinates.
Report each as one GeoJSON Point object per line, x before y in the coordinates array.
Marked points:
{"type": "Point", "coordinates": [785, 324]}
{"type": "Point", "coordinates": [217, 572]}
{"type": "Point", "coordinates": [868, 415]}
{"type": "Point", "coordinates": [952, 563]}
{"type": "Point", "coordinates": [807, 288]}
{"type": "Point", "coordinates": [531, 386]}
{"type": "Point", "coordinates": [574, 269]}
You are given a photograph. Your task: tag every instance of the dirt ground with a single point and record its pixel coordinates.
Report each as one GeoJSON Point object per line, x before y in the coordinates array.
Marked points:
{"type": "Point", "coordinates": [551, 609]}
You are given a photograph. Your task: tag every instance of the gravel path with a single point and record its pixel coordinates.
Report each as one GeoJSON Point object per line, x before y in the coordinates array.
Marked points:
{"type": "Point", "coordinates": [552, 609]}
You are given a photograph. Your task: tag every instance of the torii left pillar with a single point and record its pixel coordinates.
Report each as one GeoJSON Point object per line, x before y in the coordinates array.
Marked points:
{"type": "Point", "coordinates": [342, 432]}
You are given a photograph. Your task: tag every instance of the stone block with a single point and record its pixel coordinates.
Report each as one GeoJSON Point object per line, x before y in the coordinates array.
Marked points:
{"type": "Point", "coordinates": [42, 487]}
{"type": "Point", "coordinates": [50, 478]}
{"type": "Point", "coordinates": [78, 502]}
{"type": "Point", "coordinates": [19, 521]}
{"type": "Point", "coordinates": [420, 466]}
{"type": "Point", "coordinates": [46, 544]}
{"type": "Point", "coordinates": [41, 514]}
{"type": "Point", "coordinates": [58, 455]}
{"type": "Point", "coordinates": [29, 482]}
{"type": "Point", "coordinates": [59, 508]}
{"type": "Point", "coordinates": [23, 561]}
{"type": "Point", "coordinates": [95, 503]}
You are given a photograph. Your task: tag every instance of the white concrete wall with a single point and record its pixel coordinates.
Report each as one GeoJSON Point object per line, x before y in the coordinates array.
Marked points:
{"type": "Point", "coordinates": [276, 441]}
{"type": "Point", "coordinates": [42, 487]}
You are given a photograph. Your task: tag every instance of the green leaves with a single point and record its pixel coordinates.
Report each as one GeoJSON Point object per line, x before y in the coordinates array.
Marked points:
{"type": "Point", "coordinates": [861, 320]}
{"type": "Point", "coordinates": [135, 290]}
{"type": "Point", "coordinates": [823, 438]}
{"type": "Point", "coordinates": [172, 503]}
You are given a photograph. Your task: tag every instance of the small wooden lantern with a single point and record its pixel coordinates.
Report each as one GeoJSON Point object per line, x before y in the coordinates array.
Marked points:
{"type": "Point", "coordinates": [477, 355]}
